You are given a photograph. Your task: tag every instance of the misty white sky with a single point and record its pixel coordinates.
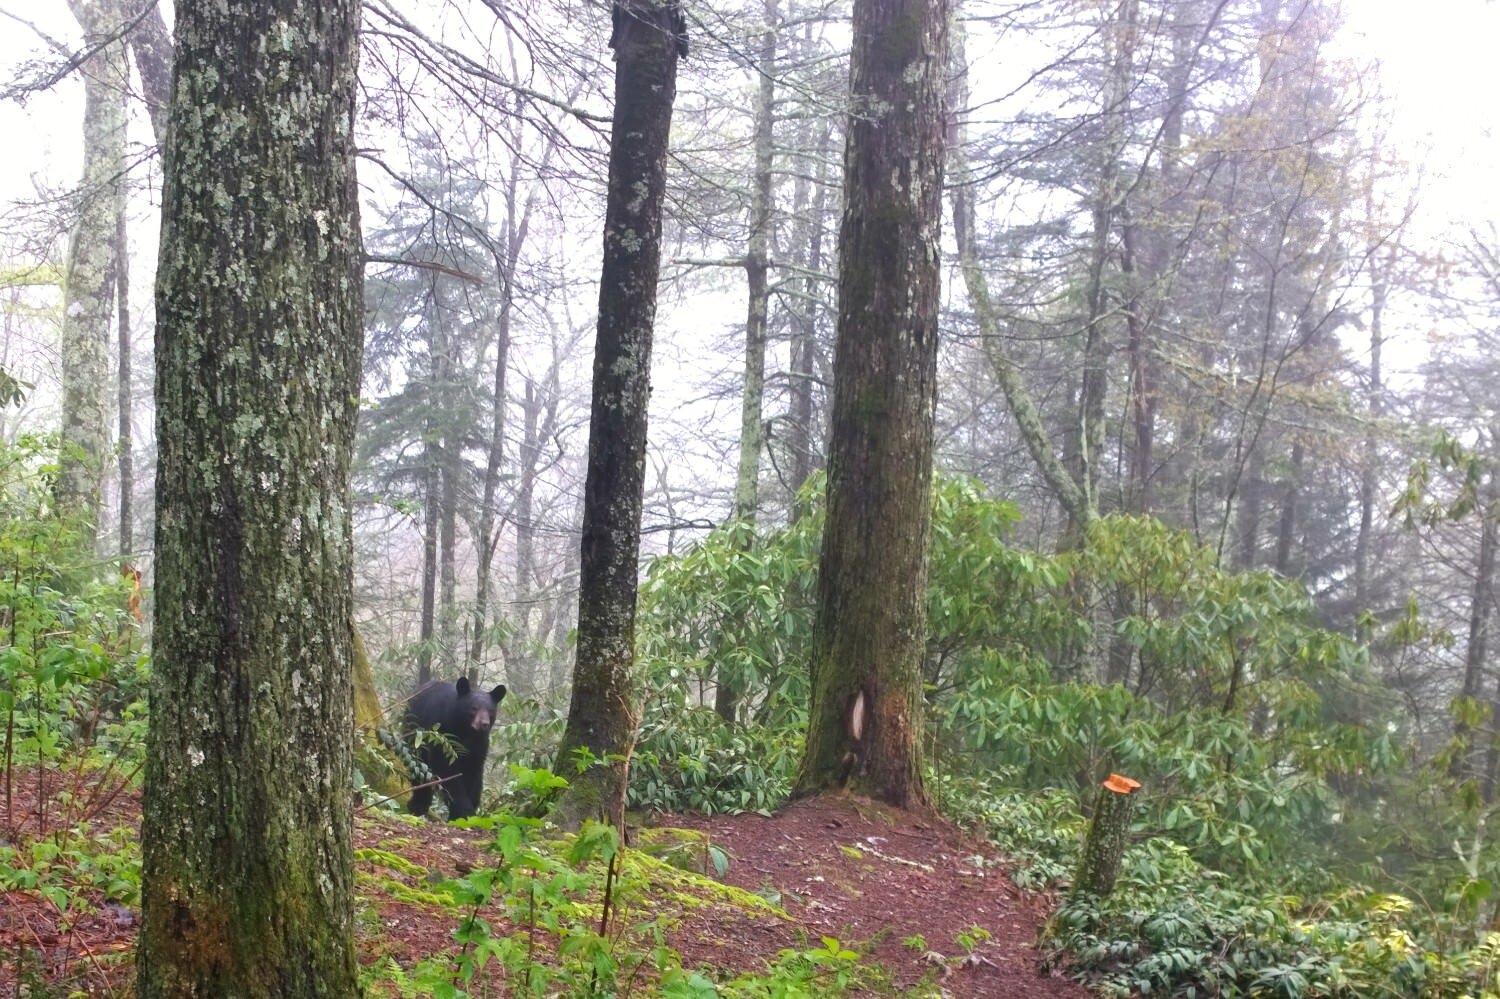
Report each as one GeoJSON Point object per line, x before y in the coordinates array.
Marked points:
{"type": "Point", "coordinates": [1438, 67]}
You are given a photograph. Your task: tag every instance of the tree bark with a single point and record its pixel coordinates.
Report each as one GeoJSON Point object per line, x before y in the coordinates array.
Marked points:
{"type": "Point", "coordinates": [247, 825]}
{"type": "Point", "coordinates": [865, 718]}
{"type": "Point", "coordinates": [447, 615]}
{"type": "Point", "coordinates": [1109, 832]}
{"type": "Point", "coordinates": [123, 393]}
{"type": "Point", "coordinates": [1085, 441]}
{"type": "Point", "coordinates": [602, 715]}
{"type": "Point", "coordinates": [1369, 473]}
{"type": "Point", "coordinates": [539, 424]}
{"type": "Point", "coordinates": [151, 46]}
{"type": "Point", "coordinates": [1286, 529]}
{"type": "Point", "coordinates": [757, 270]}
{"type": "Point", "coordinates": [89, 283]}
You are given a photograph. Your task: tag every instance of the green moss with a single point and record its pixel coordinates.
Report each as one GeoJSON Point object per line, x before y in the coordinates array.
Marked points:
{"type": "Point", "coordinates": [391, 861]}
{"type": "Point", "coordinates": [684, 849]}
{"type": "Point", "coordinates": [693, 890]}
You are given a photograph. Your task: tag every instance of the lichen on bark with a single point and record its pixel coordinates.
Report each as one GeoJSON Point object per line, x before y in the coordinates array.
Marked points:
{"type": "Point", "coordinates": [602, 715]}
{"type": "Point", "coordinates": [89, 281]}
{"type": "Point", "coordinates": [247, 827]}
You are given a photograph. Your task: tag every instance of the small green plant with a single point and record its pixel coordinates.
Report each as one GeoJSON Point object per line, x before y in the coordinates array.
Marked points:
{"type": "Point", "coordinates": [830, 969]}
{"type": "Point", "coordinates": [972, 937]}
{"type": "Point", "coordinates": [562, 905]}
{"type": "Point", "coordinates": [73, 681]}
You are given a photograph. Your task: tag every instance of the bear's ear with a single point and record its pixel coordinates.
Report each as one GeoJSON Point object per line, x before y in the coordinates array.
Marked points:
{"type": "Point", "coordinates": [463, 686]}
{"type": "Point", "coordinates": [498, 694]}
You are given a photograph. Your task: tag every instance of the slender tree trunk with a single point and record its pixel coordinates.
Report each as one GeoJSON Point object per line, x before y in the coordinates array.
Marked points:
{"type": "Point", "coordinates": [151, 45]}
{"type": "Point", "coordinates": [248, 884]}
{"type": "Point", "coordinates": [757, 271]}
{"type": "Point", "coordinates": [488, 534]}
{"type": "Point", "coordinates": [1286, 530]}
{"type": "Point", "coordinates": [1150, 248]}
{"type": "Point", "coordinates": [1369, 473]}
{"type": "Point", "coordinates": [727, 692]}
{"type": "Point", "coordinates": [123, 386]}
{"type": "Point", "coordinates": [1139, 349]}
{"type": "Point", "coordinates": [865, 718]}
{"type": "Point", "coordinates": [803, 441]}
{"type": "Point", "coordinates": [1023, 409]}
{"type": "Point", "coordinates": [602, 716]}
{"type": "Point", "coordinates": [1481, 612]}
{"type": "Point", "coordinates": [539, 424]}
{"type": "Point", "coordinates": [525, 563]}
{"type": "Point", "coordinates": [1250, 510]}
{"type": "Point", "coordinates": [447, 613]}
{"type": "Point", "coordinates": [89, 282]}
{"type": "Point", "coordinates": [1085, 441]}
{"type": "Point", "coordinates": [427, 625]}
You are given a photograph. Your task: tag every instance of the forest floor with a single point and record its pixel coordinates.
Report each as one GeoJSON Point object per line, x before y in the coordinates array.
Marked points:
{"type": "Point", "coordinates": [930, 911]}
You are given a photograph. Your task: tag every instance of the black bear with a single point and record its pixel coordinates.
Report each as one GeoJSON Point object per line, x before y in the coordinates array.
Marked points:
{"type": "Point", "coordinates": [464, 716]}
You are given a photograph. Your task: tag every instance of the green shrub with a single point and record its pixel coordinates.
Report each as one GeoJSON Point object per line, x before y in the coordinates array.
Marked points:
{"type": "Point", "coordinates": [689, 759]}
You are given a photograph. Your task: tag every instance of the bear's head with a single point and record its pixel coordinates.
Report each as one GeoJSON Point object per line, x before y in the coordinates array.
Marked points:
{"type": "Point", "coordinates": [476, 710]}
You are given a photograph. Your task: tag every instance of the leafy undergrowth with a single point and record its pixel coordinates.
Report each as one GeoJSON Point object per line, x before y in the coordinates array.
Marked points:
{"type": "Point", "coordinates": [829, 897]}
{"type": "Point", "coordinates": [1175, 927]}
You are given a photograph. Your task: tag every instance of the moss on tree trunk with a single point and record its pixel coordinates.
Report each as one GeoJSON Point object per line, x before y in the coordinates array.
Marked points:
{"type": "Point", "coordinates": [248, 880]}
{"type": "Point", "coordinates": [864, 726]}
{"type": "Point", "coordinates": [1109, 831]}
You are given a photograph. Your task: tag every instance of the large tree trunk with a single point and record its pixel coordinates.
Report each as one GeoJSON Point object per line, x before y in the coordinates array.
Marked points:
{"type": "Point", "coordinates": [864, 723]}
{"type": "Point", "coordinates": [602, 716]}
{"type": "Point", "coordinates": [89, 284]}
{"type": "Point", "coordinates": [246, 829]}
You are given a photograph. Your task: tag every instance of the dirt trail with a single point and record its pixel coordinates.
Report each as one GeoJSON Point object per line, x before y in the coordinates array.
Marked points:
{"type": "Point", "coordinates": [852, 869]}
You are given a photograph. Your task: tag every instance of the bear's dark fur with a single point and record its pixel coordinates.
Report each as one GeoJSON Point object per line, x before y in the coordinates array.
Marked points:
{"type": "Point", "coordinates": [465, 717]}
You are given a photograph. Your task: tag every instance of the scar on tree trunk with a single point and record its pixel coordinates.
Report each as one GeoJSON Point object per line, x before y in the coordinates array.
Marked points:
{"type": "Point", "coordinates": [856, 722]}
